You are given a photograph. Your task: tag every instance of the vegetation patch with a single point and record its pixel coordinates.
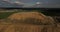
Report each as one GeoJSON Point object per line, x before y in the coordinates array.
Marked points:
{"type": "Point", "coordinates": [5, 14]}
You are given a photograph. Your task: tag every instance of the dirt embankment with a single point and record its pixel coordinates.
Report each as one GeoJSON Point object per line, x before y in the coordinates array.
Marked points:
{"type": "Point", "coordinates": [30, 17]}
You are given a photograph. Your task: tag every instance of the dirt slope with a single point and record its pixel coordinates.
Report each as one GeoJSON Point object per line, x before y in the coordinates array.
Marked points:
{"type": "Point", "coordinates": [27, 18]}
{"type": "Point", "coordinates": [34, 17]}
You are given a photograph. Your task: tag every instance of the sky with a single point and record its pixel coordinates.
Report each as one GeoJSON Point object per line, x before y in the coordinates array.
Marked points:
{"type": "Point", "coordinates": [44, 2]}
{"type": "Point", "coordinates": [32, 2]}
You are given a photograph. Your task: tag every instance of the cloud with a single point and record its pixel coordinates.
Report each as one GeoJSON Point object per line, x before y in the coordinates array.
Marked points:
{"type": "Point", "coordinates": [18, 2]}
{"type": "Point", "coordinates": [39, 3]}
{"type": "Point", "coordinates": [5, 0]}
{"type": "Point", "coordinates": [8, 1]}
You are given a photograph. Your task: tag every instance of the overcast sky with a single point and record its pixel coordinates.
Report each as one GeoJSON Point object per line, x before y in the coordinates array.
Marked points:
{"type": "Point", "coordinates": [43, 2]}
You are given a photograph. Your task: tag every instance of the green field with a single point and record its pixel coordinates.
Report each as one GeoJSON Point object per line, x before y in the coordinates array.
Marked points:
{"type": "Point", "coordinates": [5, 14]}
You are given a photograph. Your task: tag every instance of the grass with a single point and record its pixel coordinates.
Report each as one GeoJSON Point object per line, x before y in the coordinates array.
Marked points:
{"type": "Point", "coordinates": [5, 14]}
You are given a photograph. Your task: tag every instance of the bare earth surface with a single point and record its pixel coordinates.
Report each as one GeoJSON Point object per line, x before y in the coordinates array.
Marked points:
{"type": "Point", "coordinates": [28, 22]}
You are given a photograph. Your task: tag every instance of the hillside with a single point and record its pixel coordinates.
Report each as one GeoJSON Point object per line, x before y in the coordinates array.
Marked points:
{"type": "Point", "coordinates": [28, 21]}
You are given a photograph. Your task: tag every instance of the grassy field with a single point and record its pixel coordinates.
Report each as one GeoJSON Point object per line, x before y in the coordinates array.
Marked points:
{"type": "Point", "coordinates": [5, 14]}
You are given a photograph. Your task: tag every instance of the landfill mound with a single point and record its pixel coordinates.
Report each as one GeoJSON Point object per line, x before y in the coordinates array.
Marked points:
{"type": "Point", "coordinates": [30, 17]}
{"type": "Point", "coordinates": [25, 28]}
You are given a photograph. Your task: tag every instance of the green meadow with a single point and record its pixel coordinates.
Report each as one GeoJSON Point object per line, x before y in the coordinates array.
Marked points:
{"type": "Point", "coordinates": [5, 14]}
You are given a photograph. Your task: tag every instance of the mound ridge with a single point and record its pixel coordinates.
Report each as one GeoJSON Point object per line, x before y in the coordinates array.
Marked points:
{"type": "Point", "coordinates": [31, 17]}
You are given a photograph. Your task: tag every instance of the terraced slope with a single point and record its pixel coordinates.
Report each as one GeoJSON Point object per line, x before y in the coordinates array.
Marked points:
{"type": "Point", "coordinates": [34, 17]}
{"type": "Point", "coordinates": [28, 22]}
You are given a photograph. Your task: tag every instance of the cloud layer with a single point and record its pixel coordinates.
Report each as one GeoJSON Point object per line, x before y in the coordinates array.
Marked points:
{"type": "Point", "coordinates": [43, 3]}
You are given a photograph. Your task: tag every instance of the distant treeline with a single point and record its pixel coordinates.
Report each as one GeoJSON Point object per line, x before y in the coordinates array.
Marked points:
{"type": "Point", "coordinates": [46, 11]}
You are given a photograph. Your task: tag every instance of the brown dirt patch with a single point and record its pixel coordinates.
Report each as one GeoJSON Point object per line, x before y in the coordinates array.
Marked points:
{"type": "Point", "coordinates": [38, 17]}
